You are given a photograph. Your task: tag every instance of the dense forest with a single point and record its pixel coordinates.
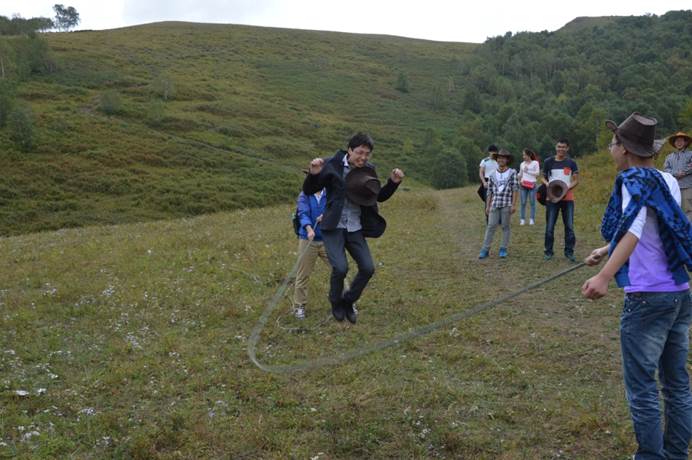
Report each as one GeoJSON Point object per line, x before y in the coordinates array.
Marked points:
{"type": "Point", "coordinates": [22, 57]}
{"type": "Point", "coordinates": [529, 88]}
{"type": "Point", "coordinates": [20, 26]}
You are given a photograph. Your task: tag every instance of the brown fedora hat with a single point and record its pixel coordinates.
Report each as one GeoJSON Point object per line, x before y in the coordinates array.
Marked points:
{"type": "Point", "coordinates": [672, 138]}
{"type": "Point", "coordinates": [637, 134]}
{"type": "Point", "coordinates": [362, 186]}
{"type": "Point", "coordinates": [505, 153]}
{"type": "Point", "coordinates": [556, 190]}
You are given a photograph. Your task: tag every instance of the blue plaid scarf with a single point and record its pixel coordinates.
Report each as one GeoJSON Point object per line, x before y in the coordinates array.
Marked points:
{"type": "Point", "coordinates": [648, 188]}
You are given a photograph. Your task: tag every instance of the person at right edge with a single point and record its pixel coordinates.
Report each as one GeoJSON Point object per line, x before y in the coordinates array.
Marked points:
{"type": "Point", "coordinates": [345, 223]}
{"type": "Point", "coordinates": [679, 164]}
{"type": "Point", "coordinates": [650, 251]}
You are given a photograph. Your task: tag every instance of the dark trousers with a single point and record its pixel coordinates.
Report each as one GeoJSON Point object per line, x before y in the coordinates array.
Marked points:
{"type": "Point", "coordinates": [336, 242]}
{"type": "Point", "coordinates": [483, 193]}
{"type": "Point", "coordinates": [551, 212]}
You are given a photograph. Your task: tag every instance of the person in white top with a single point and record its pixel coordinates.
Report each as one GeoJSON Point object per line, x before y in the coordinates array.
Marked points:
{"type": "Point", "coordinates": [528, 175]}
{"type": "Point", "coordinates": [486, 169]}
{"type": "Point", "coordinates": [488, 165]}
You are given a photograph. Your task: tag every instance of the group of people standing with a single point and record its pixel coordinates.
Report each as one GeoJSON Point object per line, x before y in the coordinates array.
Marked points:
{"type": "Point", "coordinates": [527, 177]}
{"type": "Point", "coordinates": [648, 251]}
{"type": "Point", "coordinates": [501, 185]}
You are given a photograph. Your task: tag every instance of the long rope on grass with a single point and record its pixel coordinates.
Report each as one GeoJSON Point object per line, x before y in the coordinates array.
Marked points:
{"type": "Point", "coordinates": [348, 355]}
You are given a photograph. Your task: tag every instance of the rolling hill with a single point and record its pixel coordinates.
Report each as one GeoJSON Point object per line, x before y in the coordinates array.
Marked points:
{"type": "Point", "coordinates": [201, 118]}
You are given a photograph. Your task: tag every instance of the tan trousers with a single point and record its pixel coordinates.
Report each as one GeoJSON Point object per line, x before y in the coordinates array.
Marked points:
{"type": "Point", "coordinates": [305, 267]}
{"type": "Point", "coordinates": [687, 202]}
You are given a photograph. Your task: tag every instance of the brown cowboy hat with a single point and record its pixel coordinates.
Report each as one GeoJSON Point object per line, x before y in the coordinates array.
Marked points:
{"type": "Point", "coordinates": [505, 153]}
{"type": "Point", "coordinates": [556, 190]}
{"type": "Point", "coordinates": [672, 138]}
{"type": "Point", "coordinates": [362, 186]}
{"type": "Point", "coordinates": [637, 134]}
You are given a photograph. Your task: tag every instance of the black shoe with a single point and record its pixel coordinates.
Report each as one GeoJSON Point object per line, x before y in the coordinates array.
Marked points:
{"type": "Point", "coordinates": [351, 314]}
{"type": "Point", "coordinates": [338, 311]}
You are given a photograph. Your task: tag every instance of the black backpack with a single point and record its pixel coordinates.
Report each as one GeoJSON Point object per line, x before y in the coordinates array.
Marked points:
{"type": "Point", "coordinates": [541, 193]}
{"type": "Point", "coordinates": [296, 222]}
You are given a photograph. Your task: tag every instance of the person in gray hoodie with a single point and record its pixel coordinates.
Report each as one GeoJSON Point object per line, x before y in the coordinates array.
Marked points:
{"type": "Point", "coordinates": [679, 164]}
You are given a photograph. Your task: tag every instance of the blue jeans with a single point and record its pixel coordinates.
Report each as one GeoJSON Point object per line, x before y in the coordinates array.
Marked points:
{"type": "Point", "coordinates": [527, 194]}
{"type": "Point", "coordinates": [654, 336]}
{"type": "Point", "coordinates": [551, 212]}
{"type": "Point", "coordinates": [337, 242]}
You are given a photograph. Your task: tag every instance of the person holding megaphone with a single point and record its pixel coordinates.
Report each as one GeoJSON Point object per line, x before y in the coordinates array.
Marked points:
{"type": "Point", "coordinates": [560, 176]}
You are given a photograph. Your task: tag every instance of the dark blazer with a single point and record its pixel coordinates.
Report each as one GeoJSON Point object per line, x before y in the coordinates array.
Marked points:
{"type": "Point", "coordinates": [331, 178]}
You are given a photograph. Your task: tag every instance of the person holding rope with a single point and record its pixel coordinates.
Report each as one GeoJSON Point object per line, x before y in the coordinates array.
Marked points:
{"type": "Point", "coordinates": [310, 245]}
{"type": "Point", "coordinates": [351, 215]}
{"type": "Point", "coordinates": [650, 251]}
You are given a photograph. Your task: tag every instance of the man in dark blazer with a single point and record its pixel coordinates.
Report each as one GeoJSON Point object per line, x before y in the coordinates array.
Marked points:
{"type": "Point", "coordinates": [350, 216]}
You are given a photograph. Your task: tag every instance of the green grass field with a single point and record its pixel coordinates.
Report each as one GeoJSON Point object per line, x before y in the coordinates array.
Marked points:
{"type": "Point", "coordinates": [130, 341]}
{"type": "Point", "coordinates": [139, 250]}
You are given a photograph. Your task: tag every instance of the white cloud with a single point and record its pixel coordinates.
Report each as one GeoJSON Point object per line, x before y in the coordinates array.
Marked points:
{"type": "Point", "coordinates": [224, 11]}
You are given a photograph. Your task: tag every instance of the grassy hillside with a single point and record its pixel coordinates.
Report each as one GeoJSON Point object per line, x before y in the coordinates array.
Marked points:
{"type": "Point", "coordinates": [588, 22]}
{"type": "Point", "coordinates": [130, 342]}
{"type": "Point", "coordinates": [206, 118]}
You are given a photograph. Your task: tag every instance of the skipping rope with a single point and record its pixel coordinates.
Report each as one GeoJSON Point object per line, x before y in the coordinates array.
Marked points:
{"type": "Point", "coordinates": [339, 358]}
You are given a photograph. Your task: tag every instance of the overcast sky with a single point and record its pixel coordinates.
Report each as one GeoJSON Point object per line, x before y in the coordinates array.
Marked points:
{"type": "Point", "coordinates": [446, 20]}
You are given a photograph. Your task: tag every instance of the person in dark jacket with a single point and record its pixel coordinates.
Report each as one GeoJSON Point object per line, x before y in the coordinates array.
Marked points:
{"type": "Point", "coordinates": [310, 245]}
{"type": "Point", "coordinates": [351, 215]}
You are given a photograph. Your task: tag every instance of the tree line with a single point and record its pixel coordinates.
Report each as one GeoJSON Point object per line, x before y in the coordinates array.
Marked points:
{"type": "Point", "coordinates": [23, 53]}
{"type": "Point", "coordinates": [528, 89]}
{"type": "Point", "coordinates": [20, 58]}
{"type": "Point", "coordinates": [65, 19]}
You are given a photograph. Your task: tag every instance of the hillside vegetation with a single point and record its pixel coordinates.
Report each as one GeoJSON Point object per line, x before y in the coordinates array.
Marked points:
{"type": "Point", "coordinates": [531, 86]}
{"type": "Point", "coordinates": [177, 119]}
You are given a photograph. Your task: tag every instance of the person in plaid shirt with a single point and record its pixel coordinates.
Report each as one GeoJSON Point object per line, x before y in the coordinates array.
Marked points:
{"type": "Point", "coordinates": [501, 203]}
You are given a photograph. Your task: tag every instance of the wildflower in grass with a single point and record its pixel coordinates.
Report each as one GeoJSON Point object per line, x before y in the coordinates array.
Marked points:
{"type": "Point", "coordinates": [30, 434]}
{"type": "Point", "coordinates": [89, 411]}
